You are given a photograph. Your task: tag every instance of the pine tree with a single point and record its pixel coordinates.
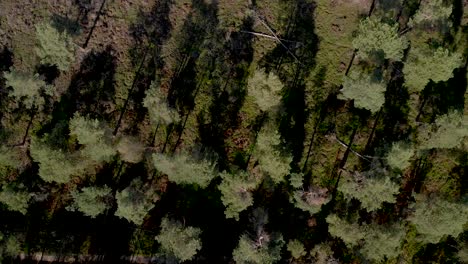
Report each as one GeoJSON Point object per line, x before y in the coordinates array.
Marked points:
{"type": "Point", "coordinates": [372, 192]}
{"type": "Point", "coordinates": [183, 169]}
{"type": "Point", "coordinates": [436, 218]}
{"type": "Point", "coordinates": [448, 131]}
{"type": "Point", "coordinates": [399, 156]}
{"type": "Point", "coordinates": [91, 201]}
{"type": "Point", "coordinates": [424, 65]}
{"type": "Point", "coordinates": [54, 48]}
{"type": "Point", "coordinates": [432, 13]}
{"type": "Point", "coordinates": [54, 165]}
{"type": "Point", "coordinates": [236, 193]}
{"type": "Point", "coordinates": [135, 201]}
{"type": "Point", "coordinates": [350, 233]}
{"type": "Point", "coordinates": [94, 136]}
{"type": "Point", "coordinates": [376, 38]}
{"type": "Point", "coordinates": [296, 248]}
{"type": "Point", "coordinates": [27, 88]}
{"type": "Point", "coordinates": [264, 250]}
{"type": "Point", "coordinates": [382, 242]}
{"type": "Point", "coordinates": [367, 93]}
{"type": "Point", "coordinates": [16, 200]}
{"type": "Point", "coordinates": [158, 109]}
{"type": "Point", "coordinates": [178, 241]}
{"type": "Point", "coordinates": [265, 89]}
{"type": "Point", "coordinates": [130, 149]}
{"type": "Point", "coordinates": [271, 157]}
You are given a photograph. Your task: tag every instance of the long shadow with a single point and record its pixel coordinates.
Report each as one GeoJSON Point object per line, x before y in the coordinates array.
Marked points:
{"type": "Point", "coordinates": [91, 91]}
{"type": "Point", "coordinates": [301, 29]}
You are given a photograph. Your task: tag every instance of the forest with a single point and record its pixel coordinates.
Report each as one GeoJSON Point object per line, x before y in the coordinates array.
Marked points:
{"type": "Point", "coordinates": [234, 131]}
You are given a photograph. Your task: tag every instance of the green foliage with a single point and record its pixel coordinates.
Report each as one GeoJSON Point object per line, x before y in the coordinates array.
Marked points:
{"type": "Point", "coordinates": [436, 218]}
{"type": "Point", "coordinates": [158, 109]}
{"type": "Point", "coordinates": [16, 200]}
{"type": "Point", "coordinates": [176, 240]}
{"type": "Point", "coordinates": [296, 248]}
{"type": "Point", "coordinates": [423, 66]}
{"type": "Point", "coordinates": [323, 254]}
{"type": "Point", "coordinates": [382, 242]}
{"type": "Point", "coordinates": [236, 192]}
{"type": "Point", "coordinates": [350, 233]}
{"type": "Point", "coordinates": [371, 192]}
{"type": "Point", "coordinates": [94, 136]}
{"type": "Point", "coordinates": [91, 201]}
{"type": "Point", "coordinates": [183, 169]}
{"type": "Point", "coordinates": [462, 254]}
{"type": "Point", "coordinates": [448, 131]}
{"type": "Point", "coordinates": [135, 201]}
{"type": "Point", "coordinates": [265, 88]}
{"type": "Point", "coordinates": [27, 88]}
{"type": "Point", "coordinates": [296, 180]}
{"type": "Point", "coordinates": [272, 160]}
{"type": "Point", "coordinates": [367, 93]}
{"type": "Point", "coordinates": [54, 165]}
{"type": "Point", "coordinates": [11, 246]}
{"type": "Point", "coordinates": [54, 48]}
{"type": "Point", "coordinates": [399, 156]}
{"type": "Point", "coordinates": [377, 38]}
{"type": "Point", "coordinates": [262, 251]}
{"type": "Point", "coordinates": [432, 13]}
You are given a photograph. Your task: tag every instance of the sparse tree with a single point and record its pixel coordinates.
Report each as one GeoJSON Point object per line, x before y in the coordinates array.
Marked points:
{"type": "Point", "coordinates": [376, 38]}
{"type": "Point", "coordinates": [372, 192]}
{"type": "Point", "coordinates": [130, 149]}
{"type": "Point", "coordinates": [236, 193]}
{"type": "Point", "coordinates": [183, 169]}
{"type": "Point", "coordinates": [432, 14]}
{"type": "Point", "coordinates": [448, 131]}
{"type": "Point", "coordinates": [310, 200]}
{"type": "Point", "coordinates": [15, 199]}
{"type": "Point", "coordinates": [54, 48]}
{"type": "Point", "coordinates": [135, 201]}
{"type": "Point", "coordinates": [435, 218]}
{"type": "Point", "coordinates": [91, 201]}
{"type": "Point", "coordinates": [54, 165]}
{"type": "Point", "coordinates": [95, 137]}
{"type": "Point", "coordinates": [272, 159]}
{"type": "Point", "coordinates": [400, 155]}
{"type": "Point", "coordinates": [179, 241]}
{"type": "Point", "coordinates": [158, 109]}
{"type": "Point", "coordinates": [366, 92]}
{"type": "Point", "coordinates": [265, 89]}
{"type": "Point", "coordinates": [264, 250]}
{"type": "Point", "coordinates": [424, 65]}
{"type": "Point", "coordinates": [296, 248]}
{"type": "Point", "coordinates": [27, 88]}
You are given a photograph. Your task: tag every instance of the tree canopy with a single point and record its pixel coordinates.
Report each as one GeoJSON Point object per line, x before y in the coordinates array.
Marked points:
{"type": "Point", "coordinates": [265, 89]}
{"type": "Point", "coordinates": [448, 131]}
{"type": "Point", "coordinates": [91, 201]}
{"type": "Point", "coordinates": [16, 200]}
{"type": "Point", "coordinates": [158, 109]}
{"type": "Point", "coordinates": [236, 192]}
{"type": "Point", "coordinates": [54, 48]}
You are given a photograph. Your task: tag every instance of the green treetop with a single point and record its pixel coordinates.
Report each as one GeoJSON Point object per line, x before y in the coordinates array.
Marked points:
{"type": "Point", "coordinates": [135, 201]}
{"type": "Point", "coordinates": [16, 200]}
{"type": "Point", "coordinates": [265, 250]}
{"type": "Point", "coordinates": [183, 169]}
{"type": "Point", "coordinates": [436, 218]}
{"type": "Point", "coordinates": [91, 201]}
{"type": "Point", "coordinates": [377, 38]}
{"type": "Point", "coordinates": [366, 92]}
{"type": "Point", "coordinates": [296, 248]}
{"type": "Point", "coordinates": [399, 156]}
{"type": "Point", "coordinates": [423, 66]}
{"type": "Point", "coordinates": [448, 131]}
{"type": "Point", "coordinates": [158, 109]}
{"type": "Point", "coordinates": [310, 200]}
{"type": "Point", "coordinates": [178, 241]}
{"type": "Point", "coordinates": [94, 136]}
{"type": "Point", "coordinates": [432, 13]}
{"type": "Point", "coordinates": [54, 165]}
{"type": "Point", "coordinates": [54, 48]}
{"type": "Point", "coordinates": [27, 88]}
{"type": "Point", "coordinates": [371, 192]}
{"type": "Point", "coordinates": [350, 233]}
{"type": "Point", "coordinates": [236, 193]}
{"type": "Point", "coordinates": [265, 89]}
{"type": "Point", "coordinates": [271, 156]}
